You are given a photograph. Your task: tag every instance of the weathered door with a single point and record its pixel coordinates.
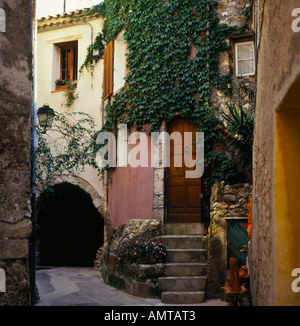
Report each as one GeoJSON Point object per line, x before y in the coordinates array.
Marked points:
{"type": "Point", "coordinates": [183, 194]}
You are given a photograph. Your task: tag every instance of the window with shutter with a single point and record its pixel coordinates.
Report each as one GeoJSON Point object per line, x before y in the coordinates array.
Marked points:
{"type": "Point", "coordinates": [108, 69]}
{"type": "Point", "coordinates": [244, 59]}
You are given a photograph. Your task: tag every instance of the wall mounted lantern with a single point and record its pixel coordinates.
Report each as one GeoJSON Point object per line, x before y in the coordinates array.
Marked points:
{"type": "Point", "coordinates": [45, 115]}
{"type": "Point", "coordinates": [96, 55]}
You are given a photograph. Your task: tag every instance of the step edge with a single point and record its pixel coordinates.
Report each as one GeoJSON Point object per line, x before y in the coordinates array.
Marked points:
{"type": "Point", "coordinates": [184, 292]}
{"type": "Point", "coordinates": [185, 264]}
{"type": "Point", "coordinates": [193, 236]}
{"type": "Point", "coordinates": [186, 249]}
{"type": "Point", "coordinates": [182, 277]}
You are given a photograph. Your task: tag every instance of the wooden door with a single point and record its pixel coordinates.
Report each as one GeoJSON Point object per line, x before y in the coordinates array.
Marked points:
{"type": "Point", "coordinates": [183, 194]}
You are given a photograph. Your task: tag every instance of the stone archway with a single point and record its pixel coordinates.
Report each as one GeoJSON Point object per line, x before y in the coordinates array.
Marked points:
{"type": "Point", "coordinates": [71, 222]}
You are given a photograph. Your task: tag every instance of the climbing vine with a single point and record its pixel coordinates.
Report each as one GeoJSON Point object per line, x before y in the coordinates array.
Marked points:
{"type": "Point", "coordinates": [88, 62]}
{"type": "Point", "coordinates": [164, 79]}
{"type": "Point", "coordinates": [68, 147]}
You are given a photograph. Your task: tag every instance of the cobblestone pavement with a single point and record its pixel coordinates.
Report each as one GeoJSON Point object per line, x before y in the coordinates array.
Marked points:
{"type": "Point", "coordinates": [81, 286]}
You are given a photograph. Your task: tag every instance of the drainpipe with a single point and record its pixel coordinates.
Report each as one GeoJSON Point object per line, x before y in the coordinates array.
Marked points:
{"type": "Point", "coordinates": [32, 239]}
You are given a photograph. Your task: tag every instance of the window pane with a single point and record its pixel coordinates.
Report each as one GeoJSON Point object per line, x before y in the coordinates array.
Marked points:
{"type": "Point", "coordinates": [246, 67]}
{"type": "Point", "coordinates": [245, 51]}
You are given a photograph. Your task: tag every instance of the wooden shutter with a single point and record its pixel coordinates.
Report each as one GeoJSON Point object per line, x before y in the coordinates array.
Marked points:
{"type": "Point", "coordinates": [108, 69]}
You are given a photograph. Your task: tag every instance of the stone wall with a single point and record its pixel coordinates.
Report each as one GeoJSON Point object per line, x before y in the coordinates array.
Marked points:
{"type": "Point", "coordinates": [230, 12]}
{"type": "Point", "coordinates": [274, 246]}
{"type": "Point", "coordinates": [119, 264]}
{"type": "Point", "coordinates": [227, 201]}
{"type": "Point", "coordinates": [15, 114]}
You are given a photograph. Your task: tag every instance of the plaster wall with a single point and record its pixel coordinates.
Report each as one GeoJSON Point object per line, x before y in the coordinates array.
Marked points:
{"type": "Point", "coordinates": [130, 192]}
{"type": "Point", "coordinates": [89, 88]}
{"type": "Point", "coordinates": [274, 246]}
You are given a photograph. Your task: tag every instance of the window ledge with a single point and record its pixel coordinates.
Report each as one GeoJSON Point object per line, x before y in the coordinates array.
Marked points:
{"type": "Point", "coordinates": [61, 88]}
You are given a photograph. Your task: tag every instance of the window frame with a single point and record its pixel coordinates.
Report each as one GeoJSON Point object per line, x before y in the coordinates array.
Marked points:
{"type": "Point", "coordinates": [236, 60]}
{"type": "Point", "coordinates": [73, 46]}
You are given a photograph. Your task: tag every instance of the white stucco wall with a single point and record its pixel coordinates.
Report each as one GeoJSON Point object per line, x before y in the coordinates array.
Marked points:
{"type": "Point", "coordinates": [119, 62]}
{"type": "Point", "coordinates": [48, 61]}
{"type": "Point", "coordinates": [89, 89]}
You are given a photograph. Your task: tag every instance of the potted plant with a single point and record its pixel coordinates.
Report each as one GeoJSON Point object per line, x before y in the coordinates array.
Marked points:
{"type": "Point", "coordinates": [150, 252]}
{"type": "Point", "coordinates": [60, 84]}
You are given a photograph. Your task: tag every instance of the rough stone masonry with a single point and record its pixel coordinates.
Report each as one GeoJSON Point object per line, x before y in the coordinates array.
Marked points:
{"type": "Point", "coordinates": [15, 114]}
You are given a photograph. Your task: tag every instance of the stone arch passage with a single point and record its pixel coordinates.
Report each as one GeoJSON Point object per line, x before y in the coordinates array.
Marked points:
{"type": "Point", "coordinates": [70, 228]}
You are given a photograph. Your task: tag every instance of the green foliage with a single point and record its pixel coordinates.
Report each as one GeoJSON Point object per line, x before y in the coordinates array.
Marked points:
{"type": "Point", "coordinates": [88, 62]}
{"type": "Point", "coordinates": [239, 130]}
{"type": "Point", "coordinates": [240, 136]}
{"type": "Point", "coordinates": [67, 148]}
{"type": "Point", "coordinates": [247, 13]}
{"type": "Point", "coordinates": [163, 79]}
{"type": "Point", "coordinates": [70, 93]}
{"type": "Point", "coordinates": [151, 247]}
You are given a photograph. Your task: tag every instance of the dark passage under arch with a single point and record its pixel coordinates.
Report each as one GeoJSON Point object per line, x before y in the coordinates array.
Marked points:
{"type": "Point", "coordinates": [70, 228]}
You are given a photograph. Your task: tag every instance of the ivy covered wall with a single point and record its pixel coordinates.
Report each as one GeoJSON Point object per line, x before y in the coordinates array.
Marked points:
{"type": "Point", "coordinates": [173, 61]}
{"type": "Point", "coordinates": [175, 54]}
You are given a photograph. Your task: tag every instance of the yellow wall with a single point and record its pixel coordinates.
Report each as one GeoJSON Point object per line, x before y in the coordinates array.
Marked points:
{"type": "Point", "coordinates": [89, 100]}
{"type": "Point", "coordinates": [287, 206]}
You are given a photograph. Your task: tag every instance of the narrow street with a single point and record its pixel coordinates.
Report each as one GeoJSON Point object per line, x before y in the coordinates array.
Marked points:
{"type": "Point", "coordinates": [83, 286]}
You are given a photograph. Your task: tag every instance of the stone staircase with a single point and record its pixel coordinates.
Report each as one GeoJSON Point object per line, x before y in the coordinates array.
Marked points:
{"type": "Point", "coordinates": [185, 267]}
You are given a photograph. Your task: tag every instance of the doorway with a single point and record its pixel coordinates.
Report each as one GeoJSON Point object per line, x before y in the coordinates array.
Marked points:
{"type": "Point", "coordinates": [70, 229]}
{"type": "Point", "coordinates": [183, 194]}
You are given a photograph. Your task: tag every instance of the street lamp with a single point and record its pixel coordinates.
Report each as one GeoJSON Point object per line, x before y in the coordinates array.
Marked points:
{"type": "Point", "coordinates": [45, 115]}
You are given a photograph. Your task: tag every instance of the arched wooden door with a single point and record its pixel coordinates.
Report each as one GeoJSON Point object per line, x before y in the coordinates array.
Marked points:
{"type": "Point", "coordinates": [183, 194]}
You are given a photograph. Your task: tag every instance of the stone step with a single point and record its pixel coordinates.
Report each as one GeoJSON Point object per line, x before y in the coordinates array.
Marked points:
{"type": "Point", "coordinates": [186, 256]}
{"type": "Point", "coordinates": [185, 228]}
{"type": "Point", "coordinates": [181, 283]}
{"type": "Point", "coordinates": [183, 297]}
{"type": "Point", "coordinates": [185, 269]}
{"type": "Point", "coordinates": [184, 241]}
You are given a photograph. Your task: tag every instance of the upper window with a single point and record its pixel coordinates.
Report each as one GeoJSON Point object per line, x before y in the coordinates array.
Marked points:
{"type": "Point", "coordinates": [68, 61]}
{"type": "Point", "coordinates": [244, 59]}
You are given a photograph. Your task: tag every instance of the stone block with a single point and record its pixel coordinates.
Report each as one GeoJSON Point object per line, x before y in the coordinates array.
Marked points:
{"type": "Point", "coordinates": [158, 200]}
{"type": "Point", "coordinates": [18, 230]}
{"type": "Point", "coordinates": [158, 187]}
{"type": "Point", "coordinates": [229, 198]}
{"type": "Point", "coordinates": [14, 249]}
